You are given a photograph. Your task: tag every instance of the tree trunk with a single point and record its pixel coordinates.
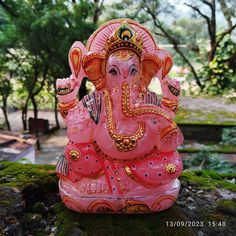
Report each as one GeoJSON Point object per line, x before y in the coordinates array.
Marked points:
{"type": "Point", "coordinates": [24, 115]}
{"type": "Point", "coordinates": [4, 109]}
{"type": "Point", "coordinates": [36, 121]}
{"type": "Point", "coordinates": [55, 106]}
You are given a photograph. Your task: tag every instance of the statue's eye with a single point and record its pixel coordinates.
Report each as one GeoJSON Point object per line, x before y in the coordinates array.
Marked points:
{"type": "Point", "coordinates": [133, 71]}
{"type": "Point", "coordinates": [112, 72]}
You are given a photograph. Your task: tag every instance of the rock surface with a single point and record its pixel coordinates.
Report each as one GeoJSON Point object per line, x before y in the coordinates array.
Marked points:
{"type": "Point", "coordinates": [30, 205]}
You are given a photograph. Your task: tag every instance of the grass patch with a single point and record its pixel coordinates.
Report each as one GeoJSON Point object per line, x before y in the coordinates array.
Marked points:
{"type": "Point", "coordinates": [227, 205]}
{"type": "Point", "coordinates": [209, 179]}
{"type": "Point", "coordinates": [23, 175]}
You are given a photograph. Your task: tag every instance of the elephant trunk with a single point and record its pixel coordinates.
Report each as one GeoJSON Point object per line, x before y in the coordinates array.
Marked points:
{"type": "Point", "coordinates": [130, 111]}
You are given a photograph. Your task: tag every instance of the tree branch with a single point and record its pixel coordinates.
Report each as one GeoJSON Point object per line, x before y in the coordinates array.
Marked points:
{"type": "Point", "coordinates": [199, 12]}
{"type": "Point", "coordinates": [159, 34]}
{"type": "Point", "coordinates": [207, 3]}
{"type": "Point", "coordinates": [43, 81]}
{"type": "Point", "coordinates": [158, 24]}
{"type": "Point", "coordinates": [226, 12]}
{"type": "Point", "coordinates": [97, 10]}
{"type": "Point", "coordinates": [221, 36]}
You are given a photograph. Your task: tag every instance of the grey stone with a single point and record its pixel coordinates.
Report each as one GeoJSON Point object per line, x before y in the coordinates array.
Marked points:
{"type": "Point", "coordinates": [200, 191]}
{"type": "Point", "coordinates": [189, 199]}
{"type": "Point", "coordinates": [77, 232]}
{"type": "Point", "coordinates": [33, 221]}
{"type": "Point", "coordinates": [200, 233]}
{"type": "Point", "coordinates": [13, 227]}
{"type": "Point", "coordinates": [54, 230]}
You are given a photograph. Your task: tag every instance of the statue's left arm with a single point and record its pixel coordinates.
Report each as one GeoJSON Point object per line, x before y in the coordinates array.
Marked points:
{"type": "Point", "coordinates": [170, 95]}
{"type": "Point", "coordinates": [67, 88]}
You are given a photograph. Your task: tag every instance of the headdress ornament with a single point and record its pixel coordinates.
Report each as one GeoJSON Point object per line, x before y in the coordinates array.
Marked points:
{"type": "Point", "coordinates": [110, 36]}
{"type": "Point", "coordinates": [124, 37]}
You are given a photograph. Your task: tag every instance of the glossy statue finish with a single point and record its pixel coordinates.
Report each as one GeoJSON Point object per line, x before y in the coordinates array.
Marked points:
{"type": "Point", "coordinates": [121, 156]}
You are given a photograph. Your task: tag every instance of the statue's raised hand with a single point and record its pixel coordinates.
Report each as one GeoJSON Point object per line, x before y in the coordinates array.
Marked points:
{"type": "Point", "coordinates": [170, 88]}
{"type": "Point", "coordinates": [67, 88]}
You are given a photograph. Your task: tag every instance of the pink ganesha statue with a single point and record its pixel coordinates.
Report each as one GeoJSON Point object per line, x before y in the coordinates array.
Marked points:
{"type": "Point", "coordinates": [121, 156]}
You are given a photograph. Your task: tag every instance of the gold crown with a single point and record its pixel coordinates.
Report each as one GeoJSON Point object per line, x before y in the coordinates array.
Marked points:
{"type": "Point", "coordinates": [125, 37]}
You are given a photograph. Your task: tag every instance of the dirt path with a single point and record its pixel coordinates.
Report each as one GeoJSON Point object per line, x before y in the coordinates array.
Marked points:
{"type": "Point", "coordinates": [210, 104]}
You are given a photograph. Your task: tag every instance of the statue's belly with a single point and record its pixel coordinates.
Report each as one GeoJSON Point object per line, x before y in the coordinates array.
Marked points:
{"type": "Point", "coordinates": [111, 147]}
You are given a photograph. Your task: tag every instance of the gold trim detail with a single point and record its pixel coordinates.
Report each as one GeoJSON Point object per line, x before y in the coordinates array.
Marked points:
{"type": "Point", "coordinates": [125, 37]}
{"type": "Point", "coordinates": [156, 205]}
{"type": "Point", "coordinates": [134, 206]}
{"type": "Point", "coordinates": [124, 55]}
{"type": "Point", "coordinates": [101, 206]}
{"type": "Point", "coordinates": [75, 154]}
{"type": "Point", "coordinates": [112, 22]}
{"type": "Point", "coordinates": [63, 108]}
{"type": "Point", "coordinates": [131, 112]}
{"type": "Point", "coordinates": [113, 159]}
{"type": "Point", "coordinates": [131, 175]}
{"type": "Point", "coordinates": [69, 200]}
{"type": "Point", "coordinates": [123, 142]}
{"type": "Point", "coordinates": [172, 104]}
{"type": "Point", "coordinates": [171, 129]}
{"type": "Point", "coordinates": [170, 168]}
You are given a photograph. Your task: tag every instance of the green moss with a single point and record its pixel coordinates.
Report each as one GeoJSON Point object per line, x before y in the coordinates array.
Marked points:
{"type": "Point", "coordinates": [212, 217]}
{"type": "Point", "coordinates": [194, 116]}
{"type": "Point", "coordinates": [209, 179]}
{"type": "Point", "coordinates": [227, 205]}
{"type": "Point", "coordinates": [23, 175]}
{"type": "Point", "coordinates": [40, 208]}
{"type": "Point", "coordinates": [119, 224]}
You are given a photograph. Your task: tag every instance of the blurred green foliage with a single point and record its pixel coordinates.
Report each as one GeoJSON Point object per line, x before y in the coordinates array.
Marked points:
{"type": "Point", "coordinates": [219, 76]}
{"type": "Point", "coordinates": [35, 38]}
{"type": "Point", "coordinates": [206, 160]}
{"type": "Point", "coordinates": [229, 136]}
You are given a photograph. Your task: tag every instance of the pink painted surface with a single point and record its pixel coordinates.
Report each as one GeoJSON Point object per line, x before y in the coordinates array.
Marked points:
{"type": "Point", "coordinates": [121, 156]}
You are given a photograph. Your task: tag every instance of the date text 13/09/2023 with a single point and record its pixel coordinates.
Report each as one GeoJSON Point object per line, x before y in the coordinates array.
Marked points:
{"type": "Point", "coordinates": [195, 223]}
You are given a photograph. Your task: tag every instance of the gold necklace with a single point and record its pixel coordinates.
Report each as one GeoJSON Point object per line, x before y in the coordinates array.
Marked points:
{"type": "Point", "coordinates": [123, 142]}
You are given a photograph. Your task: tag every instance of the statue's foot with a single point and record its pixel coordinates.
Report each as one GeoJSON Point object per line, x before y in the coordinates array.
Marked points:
{"type": "Point", "coordinates": [155, 199]}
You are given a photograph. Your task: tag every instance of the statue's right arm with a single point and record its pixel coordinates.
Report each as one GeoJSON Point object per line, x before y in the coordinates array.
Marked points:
{"type": "Point", "coordinates": [67, 90]}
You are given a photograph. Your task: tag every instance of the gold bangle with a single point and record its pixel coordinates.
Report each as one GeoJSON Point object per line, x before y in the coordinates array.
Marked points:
{"type": "Point", "coordinates": [63, 108]}
{"type": "Point", "coordinates": [172, 104]}
{"type": "Point", "coordinates": [168, 130]}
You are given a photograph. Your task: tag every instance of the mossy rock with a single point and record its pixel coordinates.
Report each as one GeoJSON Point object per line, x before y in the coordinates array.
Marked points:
{"type": "Point", "coordinates": [120, 224]}
{"type": "Point", "coordinates": [24, 175]}
{"type": "Point", "coordinates": [41, 180]}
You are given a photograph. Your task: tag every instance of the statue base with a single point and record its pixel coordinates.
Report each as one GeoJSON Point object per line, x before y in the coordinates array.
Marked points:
{"type": "Point", "coordinates": [135, 202]}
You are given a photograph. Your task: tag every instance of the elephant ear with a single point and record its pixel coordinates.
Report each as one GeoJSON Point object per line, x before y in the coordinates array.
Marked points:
{"type": "Point", "coordinates": [167, 65]}
{"type": "Point", "coordinates": [94, 66]}
{"type": "Point", "coordinates": [151, 64]}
